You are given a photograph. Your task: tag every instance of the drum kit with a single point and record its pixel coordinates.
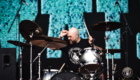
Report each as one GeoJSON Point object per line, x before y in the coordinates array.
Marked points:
{"type": "Point", "coordinates": [90, 60]}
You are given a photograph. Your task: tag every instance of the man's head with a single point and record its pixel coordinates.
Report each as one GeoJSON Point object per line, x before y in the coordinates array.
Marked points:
{"type": "Point", "coordinates": [73, 35]}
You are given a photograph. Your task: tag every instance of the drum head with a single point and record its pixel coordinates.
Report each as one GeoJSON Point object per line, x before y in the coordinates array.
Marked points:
{"type": "Point", "coordinates": [90, 56]}
{"type": "Point", "coordinates": [66, 76]}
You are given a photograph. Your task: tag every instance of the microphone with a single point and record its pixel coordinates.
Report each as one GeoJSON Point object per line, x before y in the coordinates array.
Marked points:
{"type": "Point", "coordinates": [116, 3]}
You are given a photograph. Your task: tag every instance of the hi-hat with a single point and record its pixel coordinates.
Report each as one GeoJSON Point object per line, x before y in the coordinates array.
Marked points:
{"type": "Point", "coordinates": [17, 43]}
{"type": "Point", "coordinates": [26, 27]}
{"type": "Point", "coordinates": [42, 41]}
{"type": "Point", "coordinates": [102, 26]}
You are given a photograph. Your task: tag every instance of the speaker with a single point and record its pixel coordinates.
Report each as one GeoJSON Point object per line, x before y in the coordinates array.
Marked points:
{"type": "Point", "coordinates": [7, 64]}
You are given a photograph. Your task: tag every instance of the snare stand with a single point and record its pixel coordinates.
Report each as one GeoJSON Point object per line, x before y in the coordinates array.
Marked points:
{"type": "Point", "coordinates": [39, 62]}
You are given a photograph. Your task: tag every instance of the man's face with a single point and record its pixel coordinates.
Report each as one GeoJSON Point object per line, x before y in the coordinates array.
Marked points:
{"type": "Point", "coordinates": [72, 38]}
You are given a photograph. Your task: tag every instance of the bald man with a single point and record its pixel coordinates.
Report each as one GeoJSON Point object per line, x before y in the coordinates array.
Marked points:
{"type": "Point", "coordinates": [74, 45]}
{"type": "Point", "coordinates": [73, 36]}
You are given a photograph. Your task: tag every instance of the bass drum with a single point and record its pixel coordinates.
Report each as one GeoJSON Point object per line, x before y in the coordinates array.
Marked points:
{"type": "Point", "coordinates": [48, 74]}
{"type": "Point", "coordinates": [66, 76]}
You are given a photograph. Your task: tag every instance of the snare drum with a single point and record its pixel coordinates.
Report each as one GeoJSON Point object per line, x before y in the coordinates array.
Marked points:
{"type": "Point", "coordinates": [66, 76]}
{"type": "Point", "coordinates": [48, 74]}
{"type": "Point", "coordinates": [91, 61]}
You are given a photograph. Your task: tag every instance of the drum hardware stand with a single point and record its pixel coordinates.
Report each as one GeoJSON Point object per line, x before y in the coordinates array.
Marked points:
{"type": "Point", "coordinates": [107, 52]}
{"type": "Point", "coordinates": [31, 56]}
{"type": "Point", "coordinates": [112, 66]}
{"type": "Point", "coordinates": [20, 53]}
{"type": "Point", "coordinates": [31, 61]}
{"type": "Point", "coordinates": [39, 62]}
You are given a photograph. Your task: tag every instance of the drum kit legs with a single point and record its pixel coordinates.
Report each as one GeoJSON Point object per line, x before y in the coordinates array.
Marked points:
{"type": "Point", "coordinates": [39, 62]}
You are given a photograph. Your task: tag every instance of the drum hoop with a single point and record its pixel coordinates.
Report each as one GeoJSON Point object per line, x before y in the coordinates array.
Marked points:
{"type": "Point", "coordinates": [50, 70]}
{"type": "Point", "coordinates": [90, 63]}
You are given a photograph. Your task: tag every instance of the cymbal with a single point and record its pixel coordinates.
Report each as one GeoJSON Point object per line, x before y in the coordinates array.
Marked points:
{"type": "Point", "coordinates": [26, 27]}
{"type": "Point", "coordinates": [42, 41]}
{"type": "Point", "coordinates": [112, 50]}
{"type": "Point", "coordinates": [101, 26]}
{"type": "Point", "coordinates": [16, 43]}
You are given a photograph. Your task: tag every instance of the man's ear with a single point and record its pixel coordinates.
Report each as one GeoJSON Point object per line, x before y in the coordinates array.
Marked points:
{"type": "Point", "coordinates": [77, 35]}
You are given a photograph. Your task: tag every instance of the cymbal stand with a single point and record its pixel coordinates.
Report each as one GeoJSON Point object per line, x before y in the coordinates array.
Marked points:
{"type": "Point", "coordinates": [107, 52]}
{"type": "Point", "coordinates": [113, 70]}
{"type": "Point", "coordinates": [39, 62]}
{"type": "Point", "coordinates": [112, 66]}
{"type": "Point", "coordinates": [31, 35]}
{"type": "Point", "coordinates": [31, 61]}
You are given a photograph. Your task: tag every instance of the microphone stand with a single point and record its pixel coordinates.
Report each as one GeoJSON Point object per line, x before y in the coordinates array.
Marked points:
{"type": "Point", "coordinates": [126, 29]}
{"type": "Point", "coordinates": [20, 53]}
{"type": "Point", "coordinates": [16, 16]}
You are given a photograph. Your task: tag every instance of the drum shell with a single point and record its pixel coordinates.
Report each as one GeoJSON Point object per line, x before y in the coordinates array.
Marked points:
{"type": "Point", "coordinates": [91, 61]}
{"type": "Point", "coordinates": [90, 57]}
{"type": "Point", "coordinates": [66, 76]}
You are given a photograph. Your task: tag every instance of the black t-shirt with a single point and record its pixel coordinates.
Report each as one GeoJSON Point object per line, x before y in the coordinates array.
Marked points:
{"type": "Point", "coordinates": [74, 53]}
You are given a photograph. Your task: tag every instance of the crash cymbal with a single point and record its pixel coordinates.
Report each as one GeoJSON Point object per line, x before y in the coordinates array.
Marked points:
{"type": "Point", "coordinates": [42, 41]}
{"type": "Point", "coordinates": [16, 43]}
{"type": "Point", "coordinates": [102, 26]}
{"type": "Point", "coordinates": [112, 50]}
{"type": "Point", "coordinates": [26, 27]}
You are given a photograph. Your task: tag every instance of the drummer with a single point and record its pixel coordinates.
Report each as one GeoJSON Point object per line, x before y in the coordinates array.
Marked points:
{"type": "Point", "coordinates": [74, 45]}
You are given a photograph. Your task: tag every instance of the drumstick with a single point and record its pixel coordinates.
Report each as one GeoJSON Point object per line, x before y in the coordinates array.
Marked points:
{"type": "Point", "coordinates": [61, 67]}
{"type": "Point", "coordinates": [86, 28]}
{"type": "Point", "coordinates": [115, 67]}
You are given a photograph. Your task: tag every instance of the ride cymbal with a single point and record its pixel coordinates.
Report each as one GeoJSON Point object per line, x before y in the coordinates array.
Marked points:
{"type": "Point", "coordinates": [102, 26]}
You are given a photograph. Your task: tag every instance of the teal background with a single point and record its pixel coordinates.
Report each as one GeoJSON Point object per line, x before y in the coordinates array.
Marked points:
{"type": "Point", "coordinates": [61, 12]}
